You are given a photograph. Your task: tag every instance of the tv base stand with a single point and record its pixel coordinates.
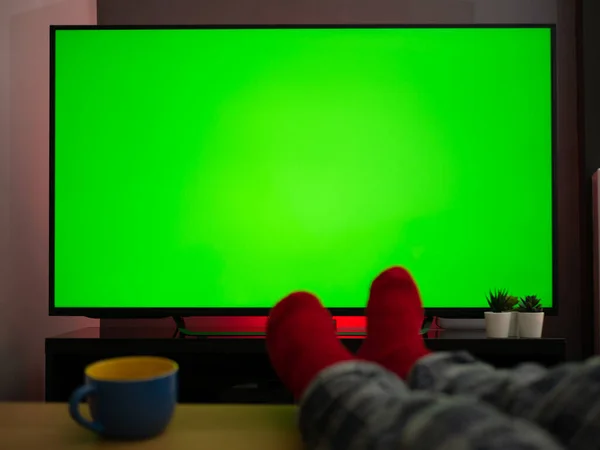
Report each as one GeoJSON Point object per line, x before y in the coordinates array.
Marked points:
{"type": "Point", "coordinates": [182, 332]}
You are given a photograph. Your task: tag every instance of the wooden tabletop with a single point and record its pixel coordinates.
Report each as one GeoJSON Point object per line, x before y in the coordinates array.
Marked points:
{"type": "Point", "coordinates": [48, 426]}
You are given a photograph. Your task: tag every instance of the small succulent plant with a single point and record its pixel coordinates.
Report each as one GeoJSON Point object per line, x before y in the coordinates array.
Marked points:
{"type": "Point", "coordinates": [530, 303]}
{"type": "Point", "coordinates": [499, 301]}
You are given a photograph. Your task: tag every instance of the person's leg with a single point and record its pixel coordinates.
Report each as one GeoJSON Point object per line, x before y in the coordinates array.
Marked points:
{"type": "Point", "coordinates": [394, 319]}
{"type": "Point", "coordinates": [302, 341]}
{"type": "Point", "coordinates": [564, 400]}
{"type": "Point", "coordinates": [360, 405]}
{"type": "Point", "coordinates": [350, 404]}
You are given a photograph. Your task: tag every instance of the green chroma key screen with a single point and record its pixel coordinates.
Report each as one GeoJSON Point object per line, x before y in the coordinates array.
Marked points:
{"type": "Point", "coordinates": [225, 168]}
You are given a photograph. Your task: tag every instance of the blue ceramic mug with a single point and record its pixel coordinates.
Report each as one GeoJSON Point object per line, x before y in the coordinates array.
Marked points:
{"type": "Point", "coordinates": [132, 397]}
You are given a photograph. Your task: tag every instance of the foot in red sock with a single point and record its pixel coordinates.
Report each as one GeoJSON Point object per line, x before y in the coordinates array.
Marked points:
{"type": "Point", "coordinates": [394, 319]}
{"type": "Point", "coordinates": [301, 341]}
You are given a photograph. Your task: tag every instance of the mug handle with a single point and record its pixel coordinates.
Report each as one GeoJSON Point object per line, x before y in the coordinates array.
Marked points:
{"type": "Point", "coordinates": [76, 398]}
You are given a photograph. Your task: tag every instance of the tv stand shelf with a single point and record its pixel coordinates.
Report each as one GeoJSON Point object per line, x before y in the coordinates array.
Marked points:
{"type": "Point", "coordinates": [236, 369]}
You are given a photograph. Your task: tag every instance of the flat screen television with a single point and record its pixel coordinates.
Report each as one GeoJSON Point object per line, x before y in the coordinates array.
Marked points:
{"type": "Point", "coordinates": [212, 170]}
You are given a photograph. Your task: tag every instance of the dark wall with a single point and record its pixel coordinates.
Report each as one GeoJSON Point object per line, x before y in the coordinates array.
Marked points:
{"type": "Point", "coordinates": [590, 76]}
{"type": "Point", "coordinates": [574, 274]}
{"type": "Point", "coordinates": [181, 12]}
{"type": "Point", "coordinates": [589, 130]}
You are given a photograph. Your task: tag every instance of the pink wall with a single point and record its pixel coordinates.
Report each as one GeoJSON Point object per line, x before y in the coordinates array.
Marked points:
{"type": "Point", "coordinates": [24, 321]}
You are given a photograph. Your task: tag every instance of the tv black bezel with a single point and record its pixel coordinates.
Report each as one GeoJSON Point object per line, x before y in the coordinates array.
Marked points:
{"type": "Point", "coordinates": [117, 313]}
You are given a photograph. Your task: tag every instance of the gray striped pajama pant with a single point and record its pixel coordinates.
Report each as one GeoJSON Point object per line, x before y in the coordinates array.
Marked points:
{"type": "Point", "coordinates": [452, 401]}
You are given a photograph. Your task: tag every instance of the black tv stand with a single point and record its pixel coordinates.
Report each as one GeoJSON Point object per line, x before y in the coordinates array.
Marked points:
{"type": "Point", "coordinates": [235, 368]}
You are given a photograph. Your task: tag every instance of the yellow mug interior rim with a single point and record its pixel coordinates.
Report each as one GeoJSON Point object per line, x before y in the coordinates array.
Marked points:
{"type": "Point", "coordinates": [131, 368]}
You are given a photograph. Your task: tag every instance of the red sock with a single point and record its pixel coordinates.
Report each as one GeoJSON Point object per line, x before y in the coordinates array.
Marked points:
{"type": "Point", "coordinates": [301, 341]}
{"type": "Point", "coordinates": [394, 319]}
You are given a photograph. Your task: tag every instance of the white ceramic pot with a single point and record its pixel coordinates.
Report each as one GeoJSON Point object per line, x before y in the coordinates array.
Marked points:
{"type": "Point", "coordinates": [531, 324]}
{"type": "Point", "coordinates": [497, 325]}
{"type": "Point", "coordinates": [514, 324]}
